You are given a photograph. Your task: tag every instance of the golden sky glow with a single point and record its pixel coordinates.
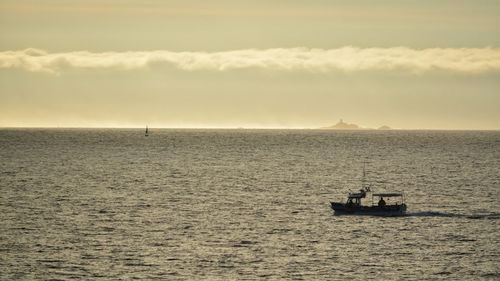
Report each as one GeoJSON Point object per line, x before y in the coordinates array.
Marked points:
{"type": "Point", "coordinates": [266, 64]}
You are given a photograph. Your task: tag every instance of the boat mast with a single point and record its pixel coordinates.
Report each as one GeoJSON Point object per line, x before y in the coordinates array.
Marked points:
{"type": "Point", "coordinates": [364, 174]}
{"type": "Point", "coordinates": [363, 181]}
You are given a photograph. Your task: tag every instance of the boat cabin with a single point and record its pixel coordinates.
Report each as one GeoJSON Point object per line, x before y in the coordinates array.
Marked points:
{"type": "Point", "coordinates": [354, 198]}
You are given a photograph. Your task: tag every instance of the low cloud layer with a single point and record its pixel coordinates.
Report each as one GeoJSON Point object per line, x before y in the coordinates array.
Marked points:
{"type": "Point", "coordinates": [348, 59]}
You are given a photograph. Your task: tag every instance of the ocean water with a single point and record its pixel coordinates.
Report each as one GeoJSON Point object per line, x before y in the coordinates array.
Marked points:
{"type": "Point", "coordinates": [112, 204]}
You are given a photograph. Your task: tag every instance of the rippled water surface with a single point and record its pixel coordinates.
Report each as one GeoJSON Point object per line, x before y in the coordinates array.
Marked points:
{"type": "Point", "coordinates": [245, 204]}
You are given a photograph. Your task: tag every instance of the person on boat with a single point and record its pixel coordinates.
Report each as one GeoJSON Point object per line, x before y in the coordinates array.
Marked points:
{"type": "Point", "coordinates": [362, 193]}
{"type": "Point", "coordinates": [350, 204]}
{"type": "Point", "coordinates": [381, 202]}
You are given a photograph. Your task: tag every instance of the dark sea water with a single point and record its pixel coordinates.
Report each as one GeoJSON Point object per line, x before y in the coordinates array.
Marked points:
{"type": "Point", "coordinates": [245, 204]}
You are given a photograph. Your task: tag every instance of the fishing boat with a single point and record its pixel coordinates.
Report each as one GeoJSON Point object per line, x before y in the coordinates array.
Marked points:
{"type": "Point", "coordinates": [147, 132]}
{"type": "Point", "coordinates": [395, 205]}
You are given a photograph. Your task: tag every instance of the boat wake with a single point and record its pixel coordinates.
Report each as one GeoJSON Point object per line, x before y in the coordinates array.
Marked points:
{"type": "Point", "coordinates": [491, 216]}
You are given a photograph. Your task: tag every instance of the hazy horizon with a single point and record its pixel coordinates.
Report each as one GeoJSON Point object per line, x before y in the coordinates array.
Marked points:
{"type": "Point", "coordinates": [238, 128]}
{"type": "Point", "coordinates": [250, 64]}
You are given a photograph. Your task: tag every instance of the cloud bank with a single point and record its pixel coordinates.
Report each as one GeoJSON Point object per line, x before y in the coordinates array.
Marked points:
{"type": "Point", "coordinates": [348, 59]}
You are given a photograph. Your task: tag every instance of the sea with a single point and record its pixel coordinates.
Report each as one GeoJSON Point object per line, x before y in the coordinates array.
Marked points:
{"type": "Point", "coordinates": [189, 204]}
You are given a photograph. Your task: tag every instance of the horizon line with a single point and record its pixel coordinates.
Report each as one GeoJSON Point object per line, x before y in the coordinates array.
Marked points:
{"type": "Point", "coordinates": [240, 128]}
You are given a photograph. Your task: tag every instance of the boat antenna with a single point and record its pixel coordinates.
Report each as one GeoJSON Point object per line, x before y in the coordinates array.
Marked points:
{"type": "Point", "coordinates": [364, 173]}
{"type": "Point", "coordinates": [363, 183]}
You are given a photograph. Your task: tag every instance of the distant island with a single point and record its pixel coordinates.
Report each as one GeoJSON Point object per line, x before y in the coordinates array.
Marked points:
{"type": "Point", "coordinates": [384, 128]}
{"type": "Point", "coordinates": [341, 125]}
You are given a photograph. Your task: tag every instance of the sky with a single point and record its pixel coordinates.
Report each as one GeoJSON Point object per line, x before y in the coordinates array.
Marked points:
{"type": "Point", "coordinates": [407, 64]}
